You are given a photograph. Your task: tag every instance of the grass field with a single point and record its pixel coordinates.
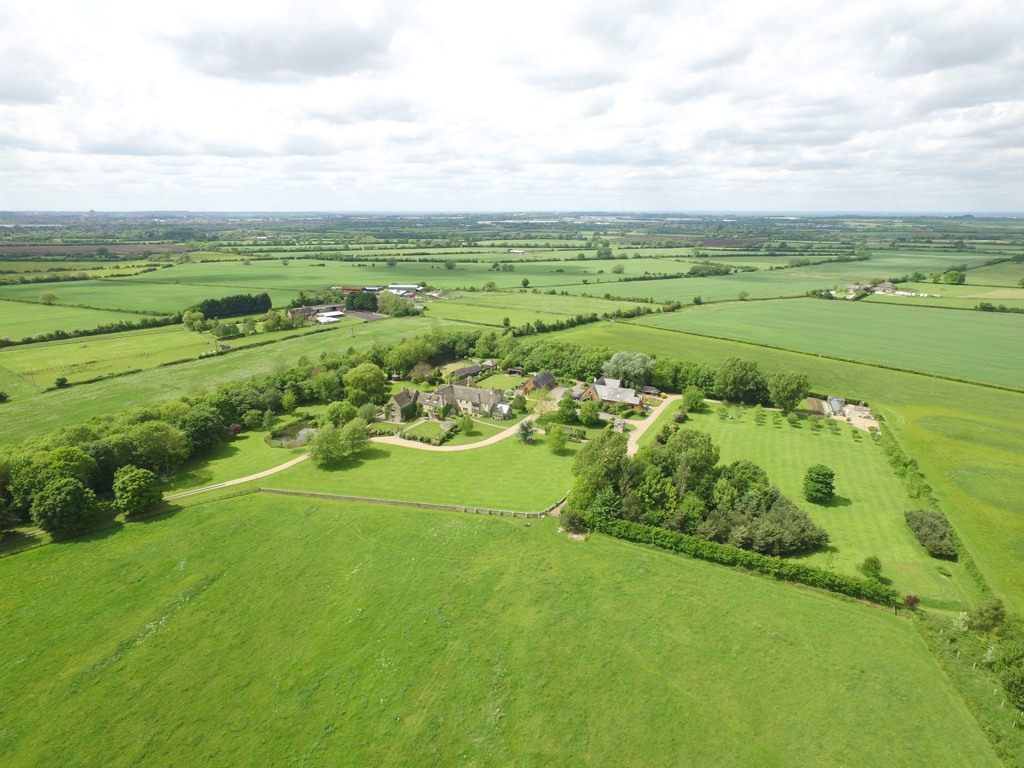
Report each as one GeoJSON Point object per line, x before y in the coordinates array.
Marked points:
{"type": "Point", "coordinates": [135, 294]}
{"type": "Point", "coordinates": [273, 630]}
{"type": "Point", "coordinates": [967, 345]}
{"type": "Point", "coordinates": [964, 436]}
{"type": "Point", "coordinates": [519, 307]}
{"type": "Point", "coordinates": [866, 517]}
{"type": "Point", "coordinates": [19, 319]}
{"type": "Point", "coordinates": [483, 477]}
{"type": "Point", "coordinates": [1007, 273]}
{"type": "Point", "coordinates": [86, 358]}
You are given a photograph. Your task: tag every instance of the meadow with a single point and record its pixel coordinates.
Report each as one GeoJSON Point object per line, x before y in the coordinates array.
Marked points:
{"type": "Point", "coordinates": [865, 518]}
{"type": "Point", "coordinates": [1005, 274]}
{"type": "Point", "coordinates": [970, 452]}
{"type": "Point", "coordinates": [965, 345]}
{"type": "Point", "coordinates": [266, 630]}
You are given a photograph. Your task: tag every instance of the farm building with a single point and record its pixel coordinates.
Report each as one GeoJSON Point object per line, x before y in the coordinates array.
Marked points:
{"type": "Point", "coordinates": [308, 313]}
{"type": "Point", "coordinates": [402, 405]}
{"type": "Point", "coordinates": [611, 391]}
{"type": "Point", "coordinates": [543, 380]}
{"type": "Point", "coordinates": [464, 373]}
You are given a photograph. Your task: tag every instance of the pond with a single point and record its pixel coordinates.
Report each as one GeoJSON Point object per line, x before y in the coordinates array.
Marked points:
{"type": "Point", "coordinates": [294, 435]}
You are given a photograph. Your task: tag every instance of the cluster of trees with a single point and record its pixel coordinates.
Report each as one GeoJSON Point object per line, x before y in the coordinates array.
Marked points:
{"type": "Point", "coordinates": [932, 529]}
{"type": "Point", "coordinates": [680, 485]}
{"type": "Point", "coordinates": [234, 306]}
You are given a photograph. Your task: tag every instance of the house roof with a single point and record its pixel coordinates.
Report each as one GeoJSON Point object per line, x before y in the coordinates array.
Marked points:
{"type": "Point", "coordinates": [488, 397]}
{"type": "Point", "coordinates": [543, 379]}
{"type": "Point", "coordinates": [406, 397]}
{"type": "Point", "coordinates": [469, 370]}
{"type": "Point", "coordinates": [612, 391]}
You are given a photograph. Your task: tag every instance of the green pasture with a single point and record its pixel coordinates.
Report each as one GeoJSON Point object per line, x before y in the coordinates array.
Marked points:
{"type": "Point", "coordinates": [759, 285]}
{"type": "Point", "coordinates": [865, 519]}
{"type": "Point", "coordinates": [519, 306]}
{"type": "Point", "coordinates": [270, 630]}
{"type": "Point", "coordinates": [1007, 273]}
{"type": "Point", "coordinates": [135, 293]}
{"type": "Point", "coordinates": [505, 475]}
{"type": "Point", "coordinates": [967, 345]}
{"type": "Point", "coordinates": [19, 319]}
{"type": "Point", "coordinates": [88, 357]}
{"type": "Point", "coordinates": [966, 437]}
{"type": "Point", "coordinates": [46, 411]}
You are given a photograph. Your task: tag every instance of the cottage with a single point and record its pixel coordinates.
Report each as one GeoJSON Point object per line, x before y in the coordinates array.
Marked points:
{"type": "Point", "coordinates": [402, 405]}
{"type": "Point", "coordinates": [459, 399]}
{"type": "Point", "coordinates": [543, 380]}
{"type": "Point", "coordinates": [611, 391]}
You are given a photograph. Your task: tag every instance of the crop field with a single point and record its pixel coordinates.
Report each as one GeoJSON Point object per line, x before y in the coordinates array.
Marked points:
{"type": "Point", "coordinates": [971, 453]}
{"type": "Point", "coordinates": [45, 411]}
{"type": "Point", "coordinates": [133, 294]}
{"type": "Point", "coordinates": [19, 319]}
{"type": "Point", "coordinates": [422, 637]}
{"type": "Point", "coordinates": [411, 474]}
{"type": "Point", "coordinates": [89, 357]}
{"type": "Point", "coordinates": [865, 519]}
{"type": "Point", "coordinates": [966, 345]}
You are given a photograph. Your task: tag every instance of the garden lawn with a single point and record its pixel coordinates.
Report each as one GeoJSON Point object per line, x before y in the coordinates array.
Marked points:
{"type": "Point", "coordinates": [965, 345]}
{"type": "Point", "coordinates": [271, 630]}
{"type": "Point", "coordinates": [966, 437]}
{"type": "Point", "coordinates": [506, 475]}
{"type": "Point", "coordinates": [241, 456]}
{"type": "Point", "coordinates": [865, 518]}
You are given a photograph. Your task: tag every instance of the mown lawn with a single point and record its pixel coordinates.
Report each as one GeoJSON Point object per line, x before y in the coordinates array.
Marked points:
{"type": "Point", "coordinates": [866, 517]}
{"type": "Point", "coordinates": [506, 475]}
{"type": "Point", "coordinates": [272, 630]}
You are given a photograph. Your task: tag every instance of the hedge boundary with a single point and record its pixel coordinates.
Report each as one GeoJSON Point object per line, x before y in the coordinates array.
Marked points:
{"type": "Point", "coordinates": [776, 567]}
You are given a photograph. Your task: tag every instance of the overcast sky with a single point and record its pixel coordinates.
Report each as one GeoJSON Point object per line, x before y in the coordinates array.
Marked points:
{"type": "Point", "coordinates": [556, 105]}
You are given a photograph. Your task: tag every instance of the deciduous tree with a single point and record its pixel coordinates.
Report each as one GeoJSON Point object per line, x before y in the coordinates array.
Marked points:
{"type": "Point", "coordinates": [819, 484]}
{"type": "Point", "coordinates": [64, 507]}
{"type": "Point", "coordinates": [135, 490]}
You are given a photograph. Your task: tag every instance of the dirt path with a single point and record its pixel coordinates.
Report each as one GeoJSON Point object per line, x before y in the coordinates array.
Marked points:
{"type": "Point", "coordinates": [634, 437]}
{"type": "Point", "coordinates": [240, 480]}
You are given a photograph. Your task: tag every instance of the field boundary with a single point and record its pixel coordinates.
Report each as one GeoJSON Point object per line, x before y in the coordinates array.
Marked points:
{"type": "Point", "coordinates": [415, 504]}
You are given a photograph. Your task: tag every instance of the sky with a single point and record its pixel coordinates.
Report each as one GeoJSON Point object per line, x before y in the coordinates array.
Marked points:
{"type": "Point", "coordinates": [456, 105]}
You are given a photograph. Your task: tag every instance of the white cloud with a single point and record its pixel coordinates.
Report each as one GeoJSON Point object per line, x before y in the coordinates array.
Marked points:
{"type": "Point", "coordinates": [439, 104]}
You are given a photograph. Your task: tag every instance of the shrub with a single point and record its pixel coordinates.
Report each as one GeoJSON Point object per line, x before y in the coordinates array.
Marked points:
{"type": "Point", "coordinates": [573, 521]}
{"type": "Point", "coordinates": [933, 531]}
